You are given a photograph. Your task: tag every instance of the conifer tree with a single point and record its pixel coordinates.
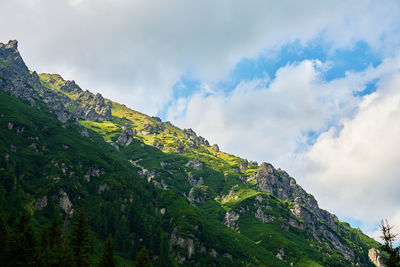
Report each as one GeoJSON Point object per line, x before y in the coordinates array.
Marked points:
{"type": "Point", "coordinates": [3, 240]}
{"type": "Point", "coordinates": [388, 238]}
{"type": "Point", "coordinates": [23, 243]}
{"type": "Point", "coordinates": [143, 259]}
{"type": "Point", "coordinates": [54, 250]}
{"type": "Point", "coordinates": [107, 259]}
{"type": "Point", "coordinates": [80, 243]}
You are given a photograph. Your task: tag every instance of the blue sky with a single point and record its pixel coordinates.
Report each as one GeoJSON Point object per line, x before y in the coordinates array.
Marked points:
{"type": "Point", "coordinates": [354, 58]}
{"type": "Point", "coordinates": [310, 86]}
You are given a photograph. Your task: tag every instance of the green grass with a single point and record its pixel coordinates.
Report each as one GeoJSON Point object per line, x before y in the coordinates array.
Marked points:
{"type": "Point", "coordinates": [129, 209]}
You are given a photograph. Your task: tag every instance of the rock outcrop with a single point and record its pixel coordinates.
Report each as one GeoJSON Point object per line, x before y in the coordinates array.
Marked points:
{"type": "Point", "coordinates": [126, 136]}
{"type": "Point", "coordinates": [16, 79]}
{"type": "Point", "coordinates": [199, 194]}
{"type": "Point", "coordinates": [190, 134]}
{"type": "Point", "coordinates": [305, 208]}
{"type": "Point", "coordinates": [194, 164]}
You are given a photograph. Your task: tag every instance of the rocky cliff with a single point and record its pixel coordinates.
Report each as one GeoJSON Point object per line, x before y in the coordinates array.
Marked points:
{"type": "Point", "coordinates": [199, 192]}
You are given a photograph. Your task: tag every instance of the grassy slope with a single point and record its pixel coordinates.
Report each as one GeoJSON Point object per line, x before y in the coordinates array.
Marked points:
{"type": "Point", "coordinates": [219, 176]}
{"type": "Point", "coordinates": [28, 175]}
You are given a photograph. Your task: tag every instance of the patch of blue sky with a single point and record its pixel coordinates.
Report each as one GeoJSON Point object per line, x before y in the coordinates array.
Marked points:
{"type": "Point", "coordinates": [356, 58]}
{"type": "Point", "coordinates": [369, 88]}
{"type": "Point", "coordinates": [353, 222]}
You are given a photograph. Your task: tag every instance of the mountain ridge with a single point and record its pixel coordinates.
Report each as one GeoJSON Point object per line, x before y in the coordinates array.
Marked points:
{"type": "Point", "coordinates": [238, 193]}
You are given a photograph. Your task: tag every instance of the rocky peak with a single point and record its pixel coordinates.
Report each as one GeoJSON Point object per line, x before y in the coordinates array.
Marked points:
{"type": "Point", "coordinates": [70, 86]}
{"type": "Point", "coordinates": [9, 48]}
{"type": "Point", "coordinates": [279, 183]}
{"type": "Point", "coordinates": [12, 44]}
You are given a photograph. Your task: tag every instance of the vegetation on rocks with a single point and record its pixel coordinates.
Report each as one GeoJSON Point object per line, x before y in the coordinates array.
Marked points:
{"type": "Point", "coordinates": [163, 195]}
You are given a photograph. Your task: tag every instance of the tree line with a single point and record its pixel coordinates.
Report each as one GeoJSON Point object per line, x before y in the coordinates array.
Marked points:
{"type": "Point", "coordinates": [22, 246]}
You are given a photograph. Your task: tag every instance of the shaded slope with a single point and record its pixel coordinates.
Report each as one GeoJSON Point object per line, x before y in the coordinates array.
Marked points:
{"type": "Point", "coordinates": [239, 212]}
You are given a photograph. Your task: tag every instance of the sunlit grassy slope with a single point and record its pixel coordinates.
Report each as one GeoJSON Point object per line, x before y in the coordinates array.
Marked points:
{"type": "Point", "coordinates": [161, 152]}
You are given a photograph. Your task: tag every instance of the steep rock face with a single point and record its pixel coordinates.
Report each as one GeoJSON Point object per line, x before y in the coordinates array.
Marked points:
{"type": "Point", "coordinates": [305, 208]}
{"type": "Point", "coordinates": [189, 133]}
{"type": "Point", "coordinates": [244, 201]}
{"type": "Point", "coordinates": [16, 79]}
{"type": "Point", "coordinates": [126, 136]}
{"type": "Point", "coordinates": [14, 75]}
{"type": "Point", "coordinates": [279, 183]}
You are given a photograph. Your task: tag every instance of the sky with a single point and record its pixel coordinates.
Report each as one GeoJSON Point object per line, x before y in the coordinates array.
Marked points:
{"type": "Point", "coordinates": [312, 87]}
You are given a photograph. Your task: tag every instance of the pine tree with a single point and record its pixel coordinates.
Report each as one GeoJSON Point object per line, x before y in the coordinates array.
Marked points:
{"type": "Point", "coordinates": [23, 243]}
{"type": "Point", "coordinates": [3, 241]}
{"type": "Point", "coordinates": [80, 243]}
{"type": "Point", "coordinates": [54, 249]}
{"type": "Point", "coordinates": [107, 258]}
{"type": "Point", "coordinates": [143, 259]}
{"type": "Point", "coordinates": [388, 238]}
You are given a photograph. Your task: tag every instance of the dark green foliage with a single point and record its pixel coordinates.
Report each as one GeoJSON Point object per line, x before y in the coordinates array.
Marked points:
{"type": "Point", "coordinates": [4, 246]}
{"type": "Point", "coordinates": [54, 248]}
{"type": "Point", "coordinates": [80, 242]}
{"type": "Point", "coordinates": [23, 243]}
{"type": "Point", "coordinates": [129, 208]}
{"type": "Point", "coordinates": [388, 237]}
{"type": "Point", "coordinates": [143, 259]}
{"type": "Point", "coordinates": [107, 259]}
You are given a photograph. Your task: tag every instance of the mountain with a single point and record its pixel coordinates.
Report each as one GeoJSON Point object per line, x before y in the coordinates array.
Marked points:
{"type": "Point", "coordinates": [150, 184]}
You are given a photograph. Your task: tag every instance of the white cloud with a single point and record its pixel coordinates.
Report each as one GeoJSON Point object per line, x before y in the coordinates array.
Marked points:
{"type": "Point", "coordinates": [356, 173]}
{"type": "Point", "coordinates": [269, 123]}
{"type": "Point", "coordinates": [352, 168]}
{"type": "Point", "coordinates": [134, 51]}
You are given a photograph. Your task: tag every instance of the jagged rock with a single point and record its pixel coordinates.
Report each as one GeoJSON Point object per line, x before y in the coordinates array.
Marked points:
{"type": "Point", "coordinates": [65, 203]}
{"type": "Point", "coordinates": [169, 124]}
{"type": "Point", "coordinates": [157, 119]}
{"type": "Point", "coordinates": [20, 130]}
{"type": "Point", "coordinates": [70, 87]}
{"type": "Point", "coordinates": [215, 147]}
{"type": "Point", "coordinates": [41, 203]}
{"type": "Point", "coordinates": [280, 255]}
{"type": "Point", "coordinates": [13, 148]}
{"type": "Point", "coordinates": [93, 172]}
{"type": "Point", "coordinates": [85, 132]}
{"type": "Point", "coordinates": [34, 147]}
{"type": "Point", "coordinates": [282, 185]}
{"type": "Point", "coordinates": [195, 182]}
{"type": "Point", "coordinates": [161, 184]}
{"type": "Point", "coordinates": [102, 188]}
{"type": "Point", "coordinates": [262, 216]}
{"type": "Point", "coordinates": [163, 164]}
{"type": "Point", "coordinates": [198, 194]}
{"type": "Point", "coordinates": [185, 243]}
{"type": "Point", "coordinates": [162, 211]}
{"type": "Point", "coordinates": [190, 134]}
{"type": "Point", "coordinates": [180, 149]}
{"type": "Point", "coordinates": [16, 78]}
{"type": "Point", "coordinates": [231, 218]}
{"type": "Point", "coordinates": [192, 144]}
{"type": "Point", "coordinates": [126, 136]}
{"type": "Point", "coordinates": [244, 165]}
{"type": "Point", "coordinates": [195, 164]}
{"type": "Point", "coordinates": [254, 163]}
{"type": "Point", "coordinates": [146, 174]}
{"type": "Point", "coordinates": [375, 257]}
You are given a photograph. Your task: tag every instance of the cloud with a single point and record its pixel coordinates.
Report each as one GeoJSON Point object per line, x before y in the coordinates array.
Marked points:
{"type": "Point", "coordinates": [352, 166]}
{"type": "Point", "coordinates": [135, 51]}
{"type": "Point", "coordinates": [269, 123]}
{"type": "Point", "coordinates": [355, 172]}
